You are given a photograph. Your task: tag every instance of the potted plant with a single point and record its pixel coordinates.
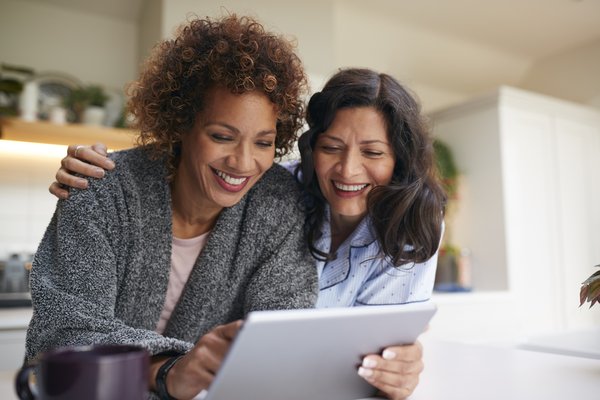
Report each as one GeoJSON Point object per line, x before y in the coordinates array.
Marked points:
{"type": "Point", "coordinates": [590, 289]}
{"type": "Point", "coordinates": [87, 104]}
{"type": "Point", "coordinates": [452, 273]}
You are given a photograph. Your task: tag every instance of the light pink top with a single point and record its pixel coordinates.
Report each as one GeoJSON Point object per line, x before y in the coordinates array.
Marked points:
{"type": "Point", "coordinates": [183, 257]}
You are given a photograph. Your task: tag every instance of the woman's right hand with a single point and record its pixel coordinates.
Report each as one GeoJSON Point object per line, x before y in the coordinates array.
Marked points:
{"type": "Point", "coordinates": [89, 161]}
{"type": "Point", "coordinates": [196, 370]}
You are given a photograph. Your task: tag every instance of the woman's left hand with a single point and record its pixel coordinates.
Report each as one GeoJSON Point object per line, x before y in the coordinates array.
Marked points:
{"type": "Point", "coordinates": [395, 372]}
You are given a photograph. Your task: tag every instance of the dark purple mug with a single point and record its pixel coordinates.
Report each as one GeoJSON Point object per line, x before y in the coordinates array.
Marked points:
{"type": "Point", "coordinates": [98, 372]}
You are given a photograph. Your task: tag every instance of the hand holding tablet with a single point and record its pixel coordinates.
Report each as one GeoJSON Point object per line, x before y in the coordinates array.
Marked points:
{"type": "Point", "coordinates": [313, 353]}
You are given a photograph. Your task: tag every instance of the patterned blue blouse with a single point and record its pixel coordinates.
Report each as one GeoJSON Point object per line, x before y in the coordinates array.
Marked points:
{"type": "Point", "coordinates": [360, 275]}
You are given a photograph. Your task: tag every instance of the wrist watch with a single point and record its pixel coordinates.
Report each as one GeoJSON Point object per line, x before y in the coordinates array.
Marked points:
{"type": "Point", "coordinates": [161, 378]}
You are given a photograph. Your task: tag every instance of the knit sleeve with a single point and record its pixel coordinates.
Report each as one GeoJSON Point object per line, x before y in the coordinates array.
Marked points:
{"type": "Point", "coordinates": [75, 280]}
{"type": "Point", "coordinates": [287, 279]}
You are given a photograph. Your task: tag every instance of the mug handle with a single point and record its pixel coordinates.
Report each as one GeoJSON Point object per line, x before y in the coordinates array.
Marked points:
{"type": "Point", "coordinates": [22, 383]}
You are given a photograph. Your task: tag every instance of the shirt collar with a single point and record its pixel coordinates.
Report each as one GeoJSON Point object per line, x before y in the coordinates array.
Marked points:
{"type": "Point", "coordinates": [362, 236]}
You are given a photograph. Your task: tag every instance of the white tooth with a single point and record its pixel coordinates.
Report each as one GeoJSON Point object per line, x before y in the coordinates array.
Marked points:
{"type": "Point", "coordinates": [230, 179]}
{"type": "Point", "coordinates": [350, 188]}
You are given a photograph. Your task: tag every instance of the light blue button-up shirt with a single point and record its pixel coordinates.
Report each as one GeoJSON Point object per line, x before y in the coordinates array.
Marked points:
{"type": "Point", "coordinates": [361, 275]}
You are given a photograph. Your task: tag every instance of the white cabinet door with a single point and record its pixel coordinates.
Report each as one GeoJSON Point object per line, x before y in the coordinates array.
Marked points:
{"type": "Point", "coordinates": [530, 207]}
{"type": "Point", "coordinates": [578, 161]}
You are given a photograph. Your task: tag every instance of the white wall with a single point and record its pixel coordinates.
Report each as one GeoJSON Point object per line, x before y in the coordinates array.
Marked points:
{"type": "Point", "coordinates": [572, 75]}
{"type": "Point", "coordinates": [420, 58]}
{"type": "Point", "coordinates": [308, 22]}
{"type": "Point", "coordinates": [25, 204]}
{"type": "Point", "coordinates": [92, 48]}
{"type": "Point", "coordinates": [150, 27]}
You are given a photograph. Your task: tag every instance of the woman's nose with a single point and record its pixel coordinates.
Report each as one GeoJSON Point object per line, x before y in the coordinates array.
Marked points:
{"type": "Point", "coordinates": [241, 159]}
{"type": "Point", "coordinates": [350, 164]}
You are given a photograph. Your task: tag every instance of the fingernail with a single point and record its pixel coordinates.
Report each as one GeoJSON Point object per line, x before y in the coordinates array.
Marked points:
{"type": "Point", "coordinates": [388, 355]}
{"type": "Point", "coordinates": [365, 372]}
{"type": "Point", "coordinates": [99, 172]}
{"type": "Point", "coordinates": [110, 164]}
{"type": "Point", "coordinates": [83, 183]}
{"type": "Point", "coordinates": [369, 363]}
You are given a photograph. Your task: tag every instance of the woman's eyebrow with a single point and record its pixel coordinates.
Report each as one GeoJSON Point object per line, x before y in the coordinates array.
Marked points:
{"type": "Point", "coordinates": [327, 136]}
{"type": "Point", "coordinates": [237, 131]}
{"type": "Point", "coordinates": [267, 132]}
{"type": "Point", "coordinates": [361, 142]}
{"type": "Point", "coordinates": [373, 141]}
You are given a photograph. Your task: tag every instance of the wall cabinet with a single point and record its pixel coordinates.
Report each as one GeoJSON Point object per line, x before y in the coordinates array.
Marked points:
{"type": "Point", "coordinates": [529, 203]}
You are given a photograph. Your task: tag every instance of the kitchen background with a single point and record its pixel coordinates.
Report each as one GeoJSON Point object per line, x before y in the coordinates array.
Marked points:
{"type": "Point", "coordinates": [460, 57]}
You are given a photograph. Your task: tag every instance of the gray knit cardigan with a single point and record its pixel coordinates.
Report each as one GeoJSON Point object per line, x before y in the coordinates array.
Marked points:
{"type": "Point", "coordinates": [101, 271]}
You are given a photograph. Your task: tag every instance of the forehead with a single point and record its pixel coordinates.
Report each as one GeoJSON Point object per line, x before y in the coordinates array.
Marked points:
{"type": "Point", "coordinates": [358, 123]}
{"type": "Point", "coordinates": [220, 105]}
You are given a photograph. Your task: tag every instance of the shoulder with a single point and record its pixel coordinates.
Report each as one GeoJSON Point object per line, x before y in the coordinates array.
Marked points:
{"type": "Point", "coordinates": [276, 183]}
{"type": "Point", "coordinates": [136, 173]}
{"type": "Point", "coordinates": [290, 165]}
{"type": "Point", "coordinates": [136, 163]}
{"type": "Point", "coordinates": [136, 170]}
{"type": "Point", "coordinates": [275, 196]}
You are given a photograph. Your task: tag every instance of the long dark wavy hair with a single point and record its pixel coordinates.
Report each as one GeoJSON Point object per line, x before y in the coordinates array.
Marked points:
{"type": "Point", "coordinates": [406, 214]}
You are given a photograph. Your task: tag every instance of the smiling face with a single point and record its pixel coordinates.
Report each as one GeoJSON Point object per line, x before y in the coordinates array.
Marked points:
{"type": "Point", "coordinates": [352, 157]}
{"type": "Point", "coordinates": [230, 147]}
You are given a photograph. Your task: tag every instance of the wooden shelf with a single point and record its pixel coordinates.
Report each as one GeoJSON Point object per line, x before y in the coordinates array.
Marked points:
{"type": "Point", "coordinates": [46, 132]}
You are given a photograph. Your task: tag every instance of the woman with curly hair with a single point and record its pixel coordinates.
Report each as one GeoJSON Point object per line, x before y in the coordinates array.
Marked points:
{"type": "Point", "coordinates": [195, 227]}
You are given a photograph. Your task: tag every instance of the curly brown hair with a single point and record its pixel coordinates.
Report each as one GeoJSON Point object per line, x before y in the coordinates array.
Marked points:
{"type": "Point", "coordinates": [233, 52]}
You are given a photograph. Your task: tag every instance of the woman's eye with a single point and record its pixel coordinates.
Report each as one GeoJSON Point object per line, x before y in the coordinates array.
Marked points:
{"type": "Point", "coordinates": [221, 138]}
{"type": "Point", "coordinates": [373, 154]}
{"type": "Point", "coordinates": [265, 144]}
{"type": "Point", "coordinates": [330, 149]}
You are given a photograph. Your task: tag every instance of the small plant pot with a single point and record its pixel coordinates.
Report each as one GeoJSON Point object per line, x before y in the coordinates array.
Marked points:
{"type": "Point", "coordinates": [94, 115]}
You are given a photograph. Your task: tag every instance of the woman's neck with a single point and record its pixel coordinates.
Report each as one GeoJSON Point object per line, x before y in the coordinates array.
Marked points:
{"type": "Point", "coordinates": [193, 215]}
{"type": "Point", "coordinates": [342, 227]}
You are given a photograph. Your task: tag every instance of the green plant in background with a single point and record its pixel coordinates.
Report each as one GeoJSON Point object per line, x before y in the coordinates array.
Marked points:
{"type": "Point", "coordinates": [96, 95]}
{"type": "Point", "coordinates": [83, 97]}
{"type": "Point", "coordinates": [446, 167]}
{"type": "Point", "coordinates": [11, 86]}
{"type": "Point", "coordinates": [450, 275]}
{"type": "Point", "coordinates": [590, 289]}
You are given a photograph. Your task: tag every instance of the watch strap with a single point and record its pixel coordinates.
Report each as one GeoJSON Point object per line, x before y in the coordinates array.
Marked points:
{"type": "Point", "coordinates": [161, 378]}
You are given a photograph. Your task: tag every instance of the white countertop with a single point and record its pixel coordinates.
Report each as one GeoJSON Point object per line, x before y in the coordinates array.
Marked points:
{"type": "Point", "coordinates": [581, 343]}
{"type": "Point", "coordinates": [15, 318]}
{"type": "Point", "coordinates": [456, 371]}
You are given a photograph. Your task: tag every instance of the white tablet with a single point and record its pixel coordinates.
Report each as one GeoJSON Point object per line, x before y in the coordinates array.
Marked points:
{"type": "Point", "coordinates": [313, 354]}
